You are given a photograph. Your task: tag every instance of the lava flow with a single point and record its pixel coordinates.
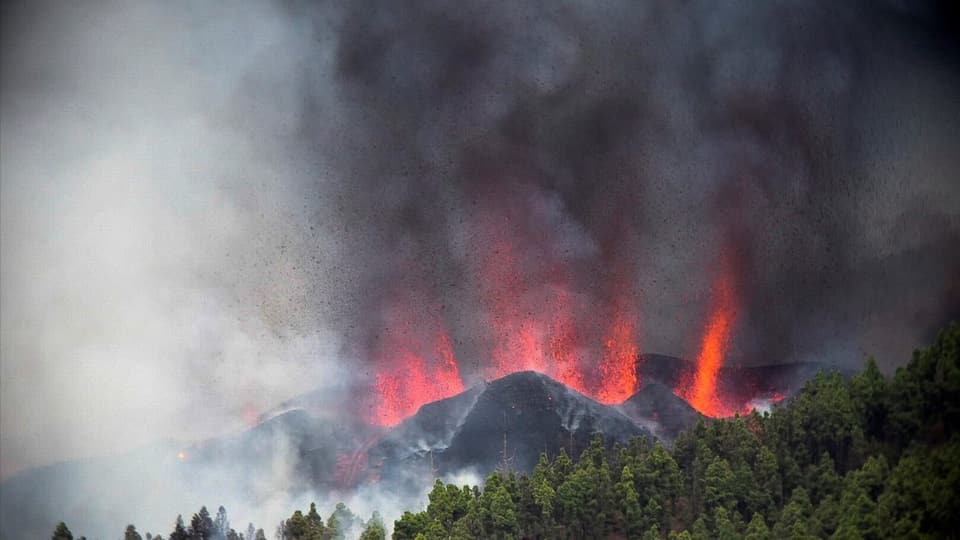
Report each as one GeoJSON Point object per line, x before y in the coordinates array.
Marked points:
{"type": "Point", "coordinates": [701, 389]}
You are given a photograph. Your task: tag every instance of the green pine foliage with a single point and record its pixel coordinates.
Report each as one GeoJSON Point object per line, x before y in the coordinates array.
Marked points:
{"type": "Point", "coordinates": [872, 457]}
{"type": "Point", "coordinates": [62, 532]}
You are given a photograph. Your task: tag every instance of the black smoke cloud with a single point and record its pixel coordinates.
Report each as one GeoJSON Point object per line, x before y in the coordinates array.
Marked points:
{"type": "Point", "coordinates": [245, 199]}
{"type": "Point", "coordinates": [814, 144]}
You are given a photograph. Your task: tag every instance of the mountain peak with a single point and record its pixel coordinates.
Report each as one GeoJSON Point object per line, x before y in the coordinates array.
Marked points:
{"type": "Point", "coordinates": [521, 415]}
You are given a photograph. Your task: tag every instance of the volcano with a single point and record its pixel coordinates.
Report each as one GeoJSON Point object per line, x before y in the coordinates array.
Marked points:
{"type": "Point", "coordinates": [504, 424]}
{"type": "Point", "coordinates": [501, 424]}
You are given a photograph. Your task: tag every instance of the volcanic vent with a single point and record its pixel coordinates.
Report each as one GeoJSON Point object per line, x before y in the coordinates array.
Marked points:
{"type": "Point", "coordinates": [588, 343]}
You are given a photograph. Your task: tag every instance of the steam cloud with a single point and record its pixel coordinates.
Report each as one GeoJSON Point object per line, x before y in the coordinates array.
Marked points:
{"type": "Point", "coordinates": [207, 210]}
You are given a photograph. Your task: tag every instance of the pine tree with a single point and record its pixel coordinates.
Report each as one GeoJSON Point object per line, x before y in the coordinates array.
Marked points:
{"type": "Point", "coordinates": [179, 531]}
{"type": "Point", "coordinates": [502, 513]}
{"type": "Point", "coordinates": [297, 527]}
{"type": "Point", "coordinates": [315, 522]}
{"type": "Point", "coordinates": [723, 527]}
{"type": "Point", "coordinates": [573, 502]}
{"type": "Point", "coordinates": [221, 525]}
{"type": "Point", "coordinates": [341, 522]}
{"type": "Point", "coordinates": [822, 480]}
{"type": "Point", "coordinates": [827, 515]}
{"type": "Point", "coordinates": [757, 528]}
{"type": "Point", "coordinates": [795, 517]}
{"type": "Point", "coordinates": [562, 467]}
{"type": "Point", "coordinates": [374, 529]}
{"type": "Point", "coordinates": [630, 504]}
{"type": "Point", "coordinates": [700, 529]}
{"type": "Point", "coordinates": [767, 478]}
{"type": "Point", "coordinates": [131, 533]}
{"type": "Point", "coordinates": [202, 526]}
{"type": "Point", "coordinates": [870, 393]}
{"type": "Point", "coordinates": [61, 532]}
{"type": "Point", "coordinates": [447, 504]}
{"type": "Point", "coordinates": [718, 485]}
{"type": "Point", "coordinates": [410, 525]}
{"type": "Point", "coordinates": [529, 518]}
{"type": "Point", "coordinates": [653, 512]}
{"type": "Point", "coordinates": [544, 494]}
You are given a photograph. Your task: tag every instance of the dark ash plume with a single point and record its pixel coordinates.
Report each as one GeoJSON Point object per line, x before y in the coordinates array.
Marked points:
{"type": "Point", "coordinates": [814, 143]}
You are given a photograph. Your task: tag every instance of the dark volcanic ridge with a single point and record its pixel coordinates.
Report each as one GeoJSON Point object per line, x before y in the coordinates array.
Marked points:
{"type": "Point", "coordinates": [508, 424]}
{"type": "Point", "coordinates": [656, 407]}
{"type": "Point", "coordinates": [505, 423]}
{"type": "Point", "coordinates": [526, 412]}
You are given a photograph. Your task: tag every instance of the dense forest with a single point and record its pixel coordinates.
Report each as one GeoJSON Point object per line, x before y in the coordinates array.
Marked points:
{"type": "Point", "coordinates": [861, 458]}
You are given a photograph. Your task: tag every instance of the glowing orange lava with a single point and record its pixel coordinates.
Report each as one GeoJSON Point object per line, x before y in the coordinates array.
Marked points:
{"type": "Point", "coordinates": [529, 305]}
{"type": "Point", "coordinates": [563, 345]}
{"type": "Point", "coordinates": [517, 335]}
{"type": "Point", "coordinates": [543, 340]}
{"type": "Point", "coordinates": [701, 391]}
{"type": "Point", "coordinates": [618, 367]}
{"type": "Point", "coordinates": [417, 365]}
{"type": "Point", "coordinates": [413, 380]}
{"type": "Point", "coordinates": [532, 323]}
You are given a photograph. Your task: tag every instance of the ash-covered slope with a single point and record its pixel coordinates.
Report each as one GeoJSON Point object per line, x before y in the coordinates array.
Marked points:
{"type": "Point", "coordinates": [656, 407]}
{"type": "Point", "coordinates": [527, 413]}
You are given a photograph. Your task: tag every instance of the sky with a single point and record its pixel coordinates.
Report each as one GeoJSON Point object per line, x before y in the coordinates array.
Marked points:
{"type": "Point", "coordinates": [205, 211]}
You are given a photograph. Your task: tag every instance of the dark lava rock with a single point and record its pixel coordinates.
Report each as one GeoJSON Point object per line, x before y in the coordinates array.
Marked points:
{"type": "Point", "coordinates": [511, 421]}
{"type": "Point", "coordinates": [656, 407]}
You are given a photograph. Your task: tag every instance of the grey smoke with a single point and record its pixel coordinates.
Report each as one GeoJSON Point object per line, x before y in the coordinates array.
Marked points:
{"type": "Point", "coordinates": [815, 143]}
{"type": "Point", "coordinates": [162, 272]}
{"type": "Point", "coordinates": [206, 210]}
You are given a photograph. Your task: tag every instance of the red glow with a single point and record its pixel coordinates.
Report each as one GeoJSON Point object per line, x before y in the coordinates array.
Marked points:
{"type": "Point", "coordinates": [414, 380]}
{"type": "Point", "coordinates": [563, 345]}
{"type": "Point", "coordinates": [701, 390]}
{"type": "Point", "coordinates": [618, 367]}
{"type": "Point", "coordinates": [415, 368]}
{"type": "Point", "coordinates": [532, 316]}
{"type": "Point", "coordinates": [351, 466]}
{"type": "Point", "coordinates": [517, 335]}
{"type": "Point", "coordinates": [251, 415]}
{"type": "Point", "coordinates": [546, 339]}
